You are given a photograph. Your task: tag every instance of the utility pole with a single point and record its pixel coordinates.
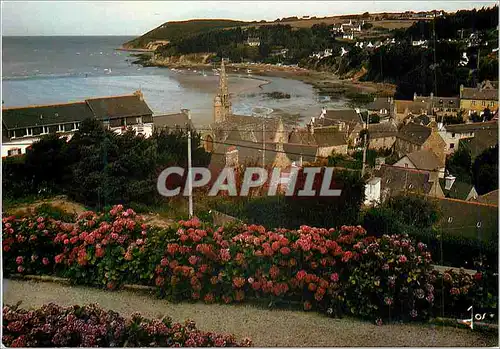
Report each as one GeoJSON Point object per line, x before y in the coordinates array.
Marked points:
{"type": "Point", "coordinates": [365, 145]}
{"type": "Point", "coordinates": [263, 144]}
{"type": "Point", "coordinates": [190, 175]}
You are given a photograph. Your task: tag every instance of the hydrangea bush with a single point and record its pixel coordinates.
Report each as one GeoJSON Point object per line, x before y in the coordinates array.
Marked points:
{"type": "Point", "coordinates": [91, 326]}
{"type": "Point", "coordinates": [336, 271]}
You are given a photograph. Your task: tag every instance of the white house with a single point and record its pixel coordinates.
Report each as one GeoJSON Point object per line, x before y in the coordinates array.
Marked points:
{"type": "Point", "coordinates": [372, 192]}
{"type": "Point", "coordinates": [452, 134]}
{"type": "Point", "coordinates": [22, 126]}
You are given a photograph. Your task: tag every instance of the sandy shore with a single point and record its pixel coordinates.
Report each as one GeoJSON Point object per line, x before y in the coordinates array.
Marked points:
{"type": "Point", "coordinates": [210, 83]}
{"type": "Point", "coordinates": [324, 82]}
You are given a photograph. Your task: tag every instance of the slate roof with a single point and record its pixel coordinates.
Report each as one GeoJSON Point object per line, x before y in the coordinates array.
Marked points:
{"type": "Point", "coordinates": [440, 102]}
{"type": "Point", "coordinates": [482, 140]}
{"type": "Point", "coordinates": [120, 106]}
{"type": "Point", "coordinates": [343, 115]}
{"type": "Point", "coordinates": [424, 160]}
{"type": "Point", "coordinates": [172, 121]}
{"type": "Point", "coordinates": [45, 115]}
{"type": "Point", "coordinates": [378, 104]}
{"type": "Point", "coordinates": [414, 107]}
{"type": "Point", "coordinates": [472, 127]}
{"type": "Point", "coordinates": [396, 180]}
{"type": "Point", "coordinates": [416, 134]}
{"type": "Point", "coordinates": [468, 219]}
{"type": "Point", "coordinates": [294, 151]}
{"type": "Point", "coordinates": [382, 130]}
{"type": "Point", "coordinates": [484, 92]}
{"type": "Point", "coordinates": [421, 120]}
{"type": "Point", "coordinates": [459, 190]}
{"type": "Point", "coordinates": [321, 137]}
{"type": "Point", "coordinates": [490, 198]}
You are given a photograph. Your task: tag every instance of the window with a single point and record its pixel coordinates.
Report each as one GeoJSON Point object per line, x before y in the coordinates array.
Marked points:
{"type": "Point", "coordinates": [60, 128]}
{"type": "Point", "coordinates": [68, 127]}
{"type": "Point", "coordinates": [452, 145]}
{"type": "Point", "coordinates": [478, 224]}
{"type": "Point", "coordinates": [450, 219]}
{"type": "Point", "coordinates": [453, 135]}
{"type": "Point", "coordinates": [29, 132]}
{"type": "Point", "coordinates": [473, 103]}
{"type": "Point", "coordinates": [15, 151]}
{"type": "Point", "coordinates": [45, 129]}
{"type": "Point", "coordinates": [76, 126]}
{"type": "Point", "coordinates": [406, 165]}
{"type": "Point", "coordinates": [138, 120]}
{"type": "Point", "coordinates": [484, 103]}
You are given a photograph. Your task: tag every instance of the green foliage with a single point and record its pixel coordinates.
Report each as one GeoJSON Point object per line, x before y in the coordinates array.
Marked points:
{"type": "Point", "coordinates": [177, 30]}
{"type": "Point", "coordinates": [485, 171]}
{"type": "Point", "coordinates": [459, 165]}
{"type": "Point", "coordinates": [97, 167]}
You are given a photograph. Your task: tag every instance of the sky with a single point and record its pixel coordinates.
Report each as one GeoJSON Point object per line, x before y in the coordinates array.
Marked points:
{"type": "Point", "coordinates": [135, 18]}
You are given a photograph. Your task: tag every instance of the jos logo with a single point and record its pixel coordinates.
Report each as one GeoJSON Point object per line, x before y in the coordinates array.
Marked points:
{"type": "Point", "coordinates": [475, 317]}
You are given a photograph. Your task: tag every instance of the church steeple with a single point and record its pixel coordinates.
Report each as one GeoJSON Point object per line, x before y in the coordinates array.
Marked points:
{"type": "Point", "coordinates": [222, 104]}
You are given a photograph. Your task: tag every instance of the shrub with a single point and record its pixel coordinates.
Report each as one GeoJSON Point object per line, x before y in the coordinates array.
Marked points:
{"type": "Point", "coordinates": [91, 326]}
{"type": "Point", "coordinates": [328, 270]}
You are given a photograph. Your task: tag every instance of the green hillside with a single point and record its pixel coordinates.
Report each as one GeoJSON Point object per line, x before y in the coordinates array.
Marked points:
{"type": "Point", "coordinates": [178, 30]}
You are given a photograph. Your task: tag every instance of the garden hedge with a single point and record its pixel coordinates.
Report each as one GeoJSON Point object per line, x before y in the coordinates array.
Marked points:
{"type": "Point", "coordinates": [335, 271]}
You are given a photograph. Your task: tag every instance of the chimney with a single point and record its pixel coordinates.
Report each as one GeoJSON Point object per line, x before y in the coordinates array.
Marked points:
{"type": "Point", "coordinates": [461, 90]}
{"type": "Point", "coordinates": [139, 94]}
{"type": "Point", "coordinates": [432, 95]}
{"type": "Point", "coordinates": [187, 112]}
{"type": "Point", "coordinates": [414, 96]}
{"type": "Point", "coordinates": [379, 162]}
{"type": "Point", "coordinates": [449, 180]}
{"type": "Point", "coordinates": [310, 128]}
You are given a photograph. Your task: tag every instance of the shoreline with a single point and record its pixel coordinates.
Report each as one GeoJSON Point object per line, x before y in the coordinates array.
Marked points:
{"type": "Point", "coordinates": [325, 83]}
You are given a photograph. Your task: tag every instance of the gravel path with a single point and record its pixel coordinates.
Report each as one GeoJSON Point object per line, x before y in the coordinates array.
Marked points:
{"type": "Point", "coordinates": [265, 327]}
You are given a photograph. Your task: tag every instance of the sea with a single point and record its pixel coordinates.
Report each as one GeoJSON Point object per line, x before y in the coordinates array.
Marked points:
{"type": "Point", "coordinates": [50, 69]}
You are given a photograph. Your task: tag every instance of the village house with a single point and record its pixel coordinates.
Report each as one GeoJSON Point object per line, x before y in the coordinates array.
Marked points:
{"type": "Point", "coordinates": [403, 109]}
{"type": "Point", "coordinates": [181, 121]}
{"type": "Point", "coordinates": [424, 160]}
{"type": "Point", "coordinates": [454, 189]}
{"type": "Point", "coordinates": [388, 181]}
{"type": "Point", "coordinates": [453, 134]}
{"type": "Point", "coordinates": [21, 126]}
{"type": "Point", "coordinates": [381, 106]}
{"type": "Point", "coordinates": [381, 135]}
{"type": "Point", "coordinates": [483, 140]}
{"type": "Point", "coordinates": [475, 100]}
{"type": "Point", "coordinates": [440, 106]}
{"type": "Point", "coordinates": [413, 137]}
{"type": "Point", "coordinates": [327, 140]}
{"type": "Point", "coordinates": [348, 35]}
{"type": "Point", "coordinates": [253, 41]}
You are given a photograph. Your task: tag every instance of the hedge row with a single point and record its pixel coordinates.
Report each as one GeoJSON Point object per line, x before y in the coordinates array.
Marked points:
{"type": "Point", "coordinates": [333, 271]}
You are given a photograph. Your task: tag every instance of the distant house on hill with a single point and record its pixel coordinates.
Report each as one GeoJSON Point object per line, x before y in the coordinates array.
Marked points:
{"type": "Point", "coordinates": [253, 41]}
{"type": "Point", "coordinates": [22, 126]}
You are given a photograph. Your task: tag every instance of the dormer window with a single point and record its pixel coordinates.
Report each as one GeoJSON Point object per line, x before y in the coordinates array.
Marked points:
{"type": "Point", "coordinates": [450, 219]}
{"type": "Point", "coordinates": [478, 225]}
